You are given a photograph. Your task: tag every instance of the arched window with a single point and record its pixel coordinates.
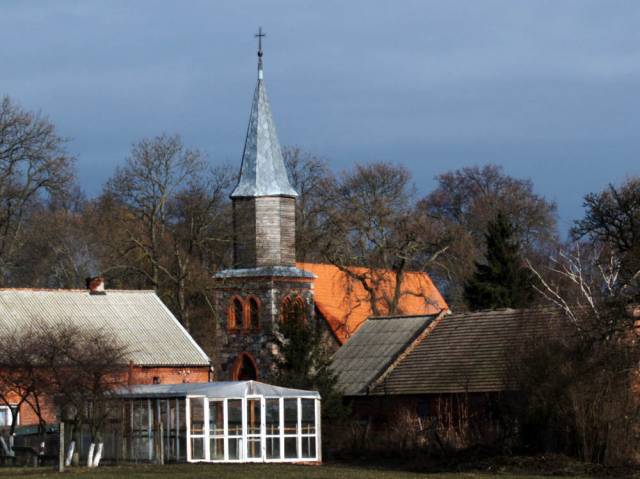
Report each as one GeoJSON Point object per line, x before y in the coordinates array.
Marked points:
{"type": "Point", "coordinates": [253, 320]}
{"type": "Point", "coordinates": [293, 310]}
{"type": "Point", "coordinates": [244, 368]}
{"type": "Point", "coordinates": [235, 314]}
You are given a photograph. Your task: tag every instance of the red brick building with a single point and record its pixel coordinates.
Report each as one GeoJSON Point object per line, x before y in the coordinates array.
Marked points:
{"type": "Point", "coordinates": [160, 349]}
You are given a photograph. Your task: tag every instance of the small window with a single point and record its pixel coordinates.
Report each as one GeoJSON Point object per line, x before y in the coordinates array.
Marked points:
{"type": "Point", "coordinates": [254, 314]}
{"type": "Point", "coordinates": [293, 310]}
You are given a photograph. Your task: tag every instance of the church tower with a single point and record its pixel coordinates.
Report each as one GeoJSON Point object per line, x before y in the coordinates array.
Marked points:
{"type": "Point", "coordinates": [264, 286]}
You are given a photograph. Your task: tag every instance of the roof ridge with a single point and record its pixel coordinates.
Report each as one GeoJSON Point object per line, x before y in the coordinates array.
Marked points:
{"type": "Point", "coordinates": [74, 290]}
{"type": "Point", "coordinates": [356, 266]}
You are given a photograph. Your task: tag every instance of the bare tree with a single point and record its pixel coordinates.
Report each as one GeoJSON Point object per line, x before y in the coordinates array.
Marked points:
{"type": "Point", "coordinates": [87, 367]}
{"type": "Point", "coordinates": [156, 171]}
{"type": "Point", "coordinates": [612, 220]}
{"type": "Point", "coordinates": [164, 223]}
{"type": "Point", "coordinates": [371, 222]}
{"type": "Point", "coordinates": [33, 165]}
{"type": "Point", "coordinates": [23, 380]}
{"type": "Point", "coordinates": [465, 201]}
{"type": "Point", "coordinates": [309, 176]}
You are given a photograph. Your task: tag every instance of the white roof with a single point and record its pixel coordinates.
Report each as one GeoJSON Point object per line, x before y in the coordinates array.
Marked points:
{"type": "Point", "coordinates": [139, 320]}
{"type": "Point", "coordinates": [220, 389]}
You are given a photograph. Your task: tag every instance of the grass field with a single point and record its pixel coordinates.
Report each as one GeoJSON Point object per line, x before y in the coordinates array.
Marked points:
{"type": "Point", "coordinates": [242, 471]}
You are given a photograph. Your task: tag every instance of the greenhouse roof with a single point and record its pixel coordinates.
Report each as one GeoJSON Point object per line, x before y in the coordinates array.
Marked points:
{"type": "Point", "coordinates": [219, 389]}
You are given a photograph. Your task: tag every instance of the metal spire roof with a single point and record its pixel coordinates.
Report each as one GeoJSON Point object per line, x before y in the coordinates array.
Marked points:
{"type": "Point", "coordinates": [262, 172]}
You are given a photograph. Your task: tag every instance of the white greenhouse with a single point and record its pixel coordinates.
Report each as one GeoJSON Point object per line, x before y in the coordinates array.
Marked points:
{"type": "Point", "coordinates": [238, 421]}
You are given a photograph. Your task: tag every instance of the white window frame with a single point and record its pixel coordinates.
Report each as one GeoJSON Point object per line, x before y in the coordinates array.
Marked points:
{"type": "Point", "coordinates": [302, 435]}
{"type": "Point", "coordinates": [205, 428]}
{"type": "Point", "coordinates": [280, 435]}
{"type": "Point", "coordinates": [244, 436]}
{"type": "Point", "coordinates": [222, 436]}
{"type": "Point", "coordinates": [9, 411]}
{"type": "Point", "coordinates": [245, 429]}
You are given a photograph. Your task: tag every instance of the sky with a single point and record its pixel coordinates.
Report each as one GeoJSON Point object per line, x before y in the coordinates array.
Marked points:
{"type": "Point", "coordinates": [549, 90]}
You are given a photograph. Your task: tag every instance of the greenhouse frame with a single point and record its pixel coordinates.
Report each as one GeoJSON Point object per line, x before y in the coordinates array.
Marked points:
{"type": "Point", "coordinates": [234, 421]}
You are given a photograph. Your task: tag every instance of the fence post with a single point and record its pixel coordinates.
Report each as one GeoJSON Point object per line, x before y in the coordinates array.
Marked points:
{"type": "Point", "coordinates": [61, 448]}
{"type": "Point", "coordinates": [161, 443]}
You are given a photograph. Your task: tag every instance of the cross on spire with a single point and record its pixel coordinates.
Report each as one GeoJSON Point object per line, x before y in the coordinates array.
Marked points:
{"type": "Point", "coordinates": [259, 36]}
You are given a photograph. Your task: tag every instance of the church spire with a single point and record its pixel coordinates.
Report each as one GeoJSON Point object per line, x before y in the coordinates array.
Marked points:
{"type": "Point", "coordinates": [262, 172]}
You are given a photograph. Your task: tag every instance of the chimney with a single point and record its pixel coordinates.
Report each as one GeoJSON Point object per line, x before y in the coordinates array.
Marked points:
{"type": "Point", "coordinates": [96, 285]}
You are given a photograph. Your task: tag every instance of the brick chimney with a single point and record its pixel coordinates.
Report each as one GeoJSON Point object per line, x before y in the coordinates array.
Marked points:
{"type": "Point", "coordinates": [95, 285]}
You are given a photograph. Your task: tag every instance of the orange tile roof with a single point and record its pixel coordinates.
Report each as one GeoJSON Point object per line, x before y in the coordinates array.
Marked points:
{"type": "Point", "coordinates": [345, 304]}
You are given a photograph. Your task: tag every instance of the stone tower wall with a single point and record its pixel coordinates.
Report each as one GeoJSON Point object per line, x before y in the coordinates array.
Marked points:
{"type": "Point", "coordinates": [259, 343]}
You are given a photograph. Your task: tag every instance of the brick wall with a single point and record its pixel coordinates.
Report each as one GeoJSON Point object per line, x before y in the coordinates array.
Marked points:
{"type": "Point", "coordinates": [136, 375]}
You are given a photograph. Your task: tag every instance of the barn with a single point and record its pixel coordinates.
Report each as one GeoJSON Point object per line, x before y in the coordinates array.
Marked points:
{"type": "Point", "coordinates": [160, 350]}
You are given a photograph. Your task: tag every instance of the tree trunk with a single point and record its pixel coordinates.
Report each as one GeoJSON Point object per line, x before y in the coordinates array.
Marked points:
{"type": "Point", "coordinates": [90, 455]}
{"type": "Point", "coordinates": [98, 455]}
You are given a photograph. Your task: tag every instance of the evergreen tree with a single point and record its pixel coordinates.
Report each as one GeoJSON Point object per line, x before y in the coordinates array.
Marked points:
{"type": "Point", "coordinates": [502, 281]}
{"type": "Point", "coordinates": [303, 361]}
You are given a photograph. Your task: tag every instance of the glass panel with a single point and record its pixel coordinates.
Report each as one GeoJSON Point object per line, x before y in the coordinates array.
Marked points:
{"type": "Point", "coordinates": [140, 430]}
{"type": "Point", "coordinates": [254, 317]}
{"type": "Point", "coordinates": [290, 416]}
{"type": "Point", "coordinates": [234, 410]}
{"type": "Point", "coordinates": [253, 448]}
{"type": "Point", "coordinates": [308, 447]}
{"type": "Point", "coordinates": [308, 416]}
{"type": "Point", "coordinates": [234, 448]}
{"type": "Point", "coordinates": [216, 419]}
{"type": "Point", "coordinates": [216, 451]}
{"type": "Point", "coordinates": [5, 416]}
{"type": "Point", "coordinates": [290, 447]}
{"type": "Point", "coordinates": [197, 448]}
{"type": "Point", "coordinates": [253, 416]}
{"type": "Point", "coordinates": [237, 311]}
{"type": "Point", "coordinates": [273, 448]}
{"type": "Point", "coordinates": [272, 416]}
{"type": "Point", "coordinates": [197, 415]}
{"type": "Point", "coordinates": [181, 418]}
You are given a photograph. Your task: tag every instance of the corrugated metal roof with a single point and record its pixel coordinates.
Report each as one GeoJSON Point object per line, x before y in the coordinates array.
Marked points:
{"type": "Point", "coordinates": [373, 348]}
{"type": "Point", "coordinates": [218, 389]}
{"type": "Point", "coordinates": [468, 352]}
{"type": "Point", "coordinates": [137, 319]}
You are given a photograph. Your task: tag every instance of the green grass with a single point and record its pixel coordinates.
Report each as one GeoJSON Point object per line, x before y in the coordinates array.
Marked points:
{"type": "Point", "coordinates": [242, 471]}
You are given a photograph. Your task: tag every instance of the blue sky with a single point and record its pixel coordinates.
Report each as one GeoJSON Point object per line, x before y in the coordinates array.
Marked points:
{"type": "Point", "coordinates": [547, 89]}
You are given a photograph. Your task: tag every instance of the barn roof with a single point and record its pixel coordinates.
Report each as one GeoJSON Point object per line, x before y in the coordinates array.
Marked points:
{"type": "Point", "coordinates": [139, 320]}
{"type": "Point", "coordinates": [450, 353]}
{"type": "Point", "coordinates": [345, 304]}
{"type": "Point", "coordinates": [468, 352]}
{"type": "Point", "coordinates": [372, 350]}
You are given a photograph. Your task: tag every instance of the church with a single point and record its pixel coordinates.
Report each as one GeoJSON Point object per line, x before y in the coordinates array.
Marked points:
{"type": "Point", "coordinates": [266, 285]}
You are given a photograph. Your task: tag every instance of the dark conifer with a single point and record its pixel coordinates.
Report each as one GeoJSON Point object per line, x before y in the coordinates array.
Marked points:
{"type": "Point", "coordinates": [502, 281]}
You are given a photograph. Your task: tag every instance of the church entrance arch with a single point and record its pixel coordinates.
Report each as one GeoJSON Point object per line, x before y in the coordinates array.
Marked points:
{"type": "Point", "coordinates": [244, 368]}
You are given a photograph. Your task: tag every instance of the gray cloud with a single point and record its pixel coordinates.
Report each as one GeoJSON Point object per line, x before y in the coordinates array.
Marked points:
{"type": "Point", "coordinates": [547, 88]}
